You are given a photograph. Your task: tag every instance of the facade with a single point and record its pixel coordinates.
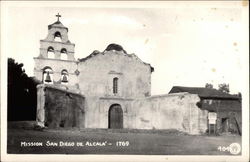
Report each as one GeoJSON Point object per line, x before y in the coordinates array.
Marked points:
{"type": "Point", "coordinates": [109, 89]}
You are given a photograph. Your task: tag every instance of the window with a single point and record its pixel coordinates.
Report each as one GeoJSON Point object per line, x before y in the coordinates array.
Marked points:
{"type": "Point", "coordinates": [51, 52]}
{"type": "Point", "coordinates": [115, 85]}
{"type": "Point", "coordinates": [47, 75]}
{"type": "Point", "coordinates": [57, 37]}
{"type": "Point", "coordinates": [64, 55]}
{"type": "Point", "coordinates": [64, 77]}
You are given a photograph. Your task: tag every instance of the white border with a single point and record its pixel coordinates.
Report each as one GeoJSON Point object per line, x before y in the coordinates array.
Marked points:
{"type": "Point", "coordinates": [123, 4]}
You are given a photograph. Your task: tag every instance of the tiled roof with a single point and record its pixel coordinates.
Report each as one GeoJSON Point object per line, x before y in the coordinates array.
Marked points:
{"type": "Point", "coordinates": [204, 92]}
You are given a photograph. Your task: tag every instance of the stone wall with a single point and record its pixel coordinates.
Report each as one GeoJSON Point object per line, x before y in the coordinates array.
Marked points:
{"type": "Point", "coordinates": [58, 107]}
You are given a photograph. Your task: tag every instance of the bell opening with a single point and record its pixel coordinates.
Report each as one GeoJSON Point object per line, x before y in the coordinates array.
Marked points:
{"type": "Point", "coordinates": [64, 79]}
{"type": "Point", "coordinates": [47, 79]}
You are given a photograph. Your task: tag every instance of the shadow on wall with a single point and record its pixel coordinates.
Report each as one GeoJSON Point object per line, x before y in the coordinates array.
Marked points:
{"type": "Point", "coordinates": [63, 108]}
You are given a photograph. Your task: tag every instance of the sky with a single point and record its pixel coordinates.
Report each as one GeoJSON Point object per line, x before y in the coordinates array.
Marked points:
{"type": "Point", "coordinates": [188, 44]}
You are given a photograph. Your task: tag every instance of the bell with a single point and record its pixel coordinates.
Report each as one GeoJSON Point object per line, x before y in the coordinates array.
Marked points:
{"type": "Point", "coordinates": [47, 79]}
{"type": "Point", "coordinates": [64, 79]}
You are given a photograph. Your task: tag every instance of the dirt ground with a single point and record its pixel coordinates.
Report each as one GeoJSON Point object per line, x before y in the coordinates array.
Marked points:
{"type": "Point", "coordinates": [96, 141]}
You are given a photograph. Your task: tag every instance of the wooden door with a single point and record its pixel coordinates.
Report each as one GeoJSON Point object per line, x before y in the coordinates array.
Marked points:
{"type": "Point", "coordinates": [115, 117]}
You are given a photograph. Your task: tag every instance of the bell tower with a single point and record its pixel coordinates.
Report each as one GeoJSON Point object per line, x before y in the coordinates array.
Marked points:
{"type": "Point", "coordinates": [56, 63]}
{"type": "Point", "coordinates": [57, 45]}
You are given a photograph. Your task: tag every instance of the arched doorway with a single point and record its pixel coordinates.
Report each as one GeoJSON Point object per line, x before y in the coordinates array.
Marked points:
{"type": "Point", "coordinates": [115, 117]}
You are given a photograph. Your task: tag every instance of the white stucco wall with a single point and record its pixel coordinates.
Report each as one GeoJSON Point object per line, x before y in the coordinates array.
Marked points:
{"type": "Point", "coordinates": [172, 111]}
{"type": "Point", "coordinates": [97, 73]}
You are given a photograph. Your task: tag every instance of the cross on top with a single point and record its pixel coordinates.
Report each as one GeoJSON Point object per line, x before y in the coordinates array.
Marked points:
{"type": "Point", "coordinates": [58, 16]}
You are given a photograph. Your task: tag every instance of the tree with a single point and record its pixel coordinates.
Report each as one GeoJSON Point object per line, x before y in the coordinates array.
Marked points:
{"type": "Point", "coordinates": [239, 95]}
{"type": "Point", "coordinates": [209, 85]}
{"type": "Point", "coordinates": [224, 88]}
{"type": "Point", "coordinates": [21, 93]}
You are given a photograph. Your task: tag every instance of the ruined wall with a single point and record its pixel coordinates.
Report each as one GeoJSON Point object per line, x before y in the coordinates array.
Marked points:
{"type": "Point", "coordinates": [173, 111]}
{"type": "Point", "coordinates": [229, 121]}
{"type": "Point", "coordinates": [58, 107]}
{"type": "Point", "coordinates": [97, 73]}
{"type": "Point", "coordinates": [229, 114]}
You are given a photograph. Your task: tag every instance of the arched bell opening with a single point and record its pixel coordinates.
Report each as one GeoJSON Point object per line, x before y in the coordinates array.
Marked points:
{"type": "Point", "coordinates": [64, 77]}
{"type": "Point", "coordinates": [47, 75]}
{"type": "Point", "coordinates": [51, 52]}
{"type": "Point", "coordinates": [57, 37]}
{"type": "Point", "coordinates": [64, 55]}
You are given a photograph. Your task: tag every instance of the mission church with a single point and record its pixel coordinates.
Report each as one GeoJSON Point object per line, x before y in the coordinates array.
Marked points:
{"type": "Point", "coordinates": [109, 89]}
